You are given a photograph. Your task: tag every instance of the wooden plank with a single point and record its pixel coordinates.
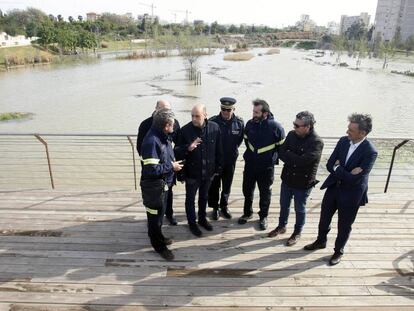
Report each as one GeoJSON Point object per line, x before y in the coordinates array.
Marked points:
{"type": "Point", "coordinates": [298, 301]}
{"type": "Point", "coordinates": [91, 249]}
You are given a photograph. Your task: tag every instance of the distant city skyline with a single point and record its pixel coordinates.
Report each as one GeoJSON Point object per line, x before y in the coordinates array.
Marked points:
{"type": "Point", "coordinates": [275, 14]}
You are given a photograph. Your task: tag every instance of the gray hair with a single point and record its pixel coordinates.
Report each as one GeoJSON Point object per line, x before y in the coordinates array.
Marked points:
{"type": "Point", "coordinates": [161, 118]}
{"type": "Point", "coordinates": [364, 121]}
{"type": "Point", "coordinates": [307, 118]}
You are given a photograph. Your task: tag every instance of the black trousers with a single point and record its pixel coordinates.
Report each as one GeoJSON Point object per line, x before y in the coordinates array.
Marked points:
{"type": "Point", "coordinates": [191, 188]}
{"type": "Point", "coordinates": [155, 217]}
{"type": "Point", "coordinates": [223, 181]}
{"type": "Point", "coordinates": [169, 212]}
{"type": "Point", "coordinates": [264, 180]}
{"type": "Point", "coordinates": [346, 218]}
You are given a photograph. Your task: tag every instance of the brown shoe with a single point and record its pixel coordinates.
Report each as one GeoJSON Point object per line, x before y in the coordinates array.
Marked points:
{"type": "Point", "coordinates": [294, 238]}
{"type": "Point", "coordinates": [276, 232]}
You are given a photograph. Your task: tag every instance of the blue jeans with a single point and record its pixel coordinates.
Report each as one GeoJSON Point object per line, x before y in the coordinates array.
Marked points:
{"type": "Point", "coordinates": [300, 197]}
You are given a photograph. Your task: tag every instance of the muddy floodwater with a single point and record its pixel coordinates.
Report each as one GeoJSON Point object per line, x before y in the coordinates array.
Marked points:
{"type": "Point", "coordinates": [113, 96]}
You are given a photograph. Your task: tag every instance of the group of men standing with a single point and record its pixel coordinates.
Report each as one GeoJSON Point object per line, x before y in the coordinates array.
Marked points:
{"type": "Point", "coordinates": [204, 157]}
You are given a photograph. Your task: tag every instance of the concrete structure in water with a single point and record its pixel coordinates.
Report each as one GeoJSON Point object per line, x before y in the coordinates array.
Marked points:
{"type": "Point", "coordinates": [394, 16]}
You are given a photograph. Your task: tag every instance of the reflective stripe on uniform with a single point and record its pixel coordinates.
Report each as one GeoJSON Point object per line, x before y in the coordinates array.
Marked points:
{"type": "Point", "coordinates": [280, 142]}
{"type": "Point", "coordinates": [250, 146]}
{"type": "Point", "coordinates": [151, 211]}
{"type": "Point", "coordinates": [150, 161]}
{"type": "Point", "coordinates": [267, 148]}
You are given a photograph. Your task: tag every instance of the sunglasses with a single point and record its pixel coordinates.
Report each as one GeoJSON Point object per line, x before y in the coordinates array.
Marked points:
{"type": "Point", "coordinates": [296, 126]}
{"type": "Point", "coordinates": [226, 109]}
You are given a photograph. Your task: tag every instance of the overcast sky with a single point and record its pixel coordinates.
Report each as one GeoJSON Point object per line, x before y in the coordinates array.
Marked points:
{"type": "Point", "coordinates": [271, 12]}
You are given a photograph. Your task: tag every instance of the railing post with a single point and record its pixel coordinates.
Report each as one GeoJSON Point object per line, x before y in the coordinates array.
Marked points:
{"type": "Point", "coordinates": [133, 161]}
{"type": "Point", "coordinates": [48, 158]}
{"type": "Point", "coordinates": [392, 162]}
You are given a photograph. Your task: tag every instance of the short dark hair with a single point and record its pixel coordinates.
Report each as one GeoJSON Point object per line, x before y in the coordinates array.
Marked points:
{"type": "Point", "coordinates": [364, 121]}
{"type": "Point", "coordinates": [161, 118]}
{"type": "Point", "coordinates": [307, 117]}
{"type": "Point", "coordinates": [263, 103]}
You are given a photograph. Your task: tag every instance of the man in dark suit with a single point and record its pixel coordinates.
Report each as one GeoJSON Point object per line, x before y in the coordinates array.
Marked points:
{"type": "Point", "coordinates": [346, 186]}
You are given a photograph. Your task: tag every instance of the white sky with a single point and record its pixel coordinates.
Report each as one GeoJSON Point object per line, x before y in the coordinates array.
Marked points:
{"type": "Point", "coordinates": [272, 12]}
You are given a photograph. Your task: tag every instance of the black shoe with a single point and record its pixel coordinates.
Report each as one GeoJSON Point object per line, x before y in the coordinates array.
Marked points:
{"type": "Point", "coordinates": [205, 224]}
{"type": "Point", "coordinates": [226, 213]}
{"type": "Point", "coordinates": [195, 230]}
{"type": "Point", "coordinates": [172, 221]}
{"type": "Point", "coordinates": [242, 220]}
{"type": "Point", "coordinates": [215, 214]}
{"type": "Point", "coordinates": [168, 241]}
{"type": "Point", "coordinates": [263, 223]}
{"type": "Point", "coordinates": [335, 259]}
{"type": "Point", "coordinates": [294, 238]}
{"type": "Point", "coordinates": [275, 232]}
{"type": "Point", "coordinates": [315, 245]}
{"type": "Point", "coordinates": [167, 254]}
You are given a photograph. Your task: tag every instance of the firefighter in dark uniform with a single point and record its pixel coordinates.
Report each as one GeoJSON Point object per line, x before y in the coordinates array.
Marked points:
{"type": "Point", "coordinates": [144, 127]}
{"type": "Point", "coordinates": [263, 136]}
{"type": "Point", "coordinates": [231, 129]}
{"type": "Point", "coordinates": [157, 176]}
{"type": "Point", "coordinates": [199, 144]}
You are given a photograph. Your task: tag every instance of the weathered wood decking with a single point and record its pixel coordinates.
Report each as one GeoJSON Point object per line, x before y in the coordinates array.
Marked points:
{"type": "Point", "coordinates": [89, 250]}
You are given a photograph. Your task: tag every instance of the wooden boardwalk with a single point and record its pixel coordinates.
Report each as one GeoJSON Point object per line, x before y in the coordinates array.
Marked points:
{"type": "Point", "coordinates": [70, 250]}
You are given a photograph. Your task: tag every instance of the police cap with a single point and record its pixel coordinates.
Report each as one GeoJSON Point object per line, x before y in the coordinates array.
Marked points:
{"type": "Point", "coordinates": [227, 102]}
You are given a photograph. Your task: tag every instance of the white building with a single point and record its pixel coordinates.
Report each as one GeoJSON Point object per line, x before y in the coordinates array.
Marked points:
{"type": "Point", "coordinates": [332, 28]}
{"type": "Point", "coordinates": [393, 16]}
{"type": "Point", "coordinates": [147, 18]}
{"type": "Point", "coordinates": [306, 24]}
{"type": "Point", "coordinates": [92, 16]}
{"type": "Point", "coordinates": [10, 41]}
{"type": "Point", "coordinates": [348, 21]}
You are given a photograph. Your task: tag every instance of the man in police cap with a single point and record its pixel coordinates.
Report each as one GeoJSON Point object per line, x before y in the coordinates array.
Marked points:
{"type": "Point", "coordinates": [231, 130]}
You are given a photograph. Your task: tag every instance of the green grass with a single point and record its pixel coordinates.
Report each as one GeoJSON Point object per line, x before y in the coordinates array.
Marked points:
{"type": "Point", "coordinates": [306, 45]}
{"type": "Point", "coordinates": [7, 116]}
{"type": "Point", "coordinates": [120, 45]}
{"type": "Point", "coordinates": [288, 44]}
{"type": "Point", "coordinates": [21, 53]}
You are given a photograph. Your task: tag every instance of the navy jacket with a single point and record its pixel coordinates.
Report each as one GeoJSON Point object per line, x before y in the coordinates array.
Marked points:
{"type": "Point", "coordinates": [205, 160]}
{"type": "Point", "coordinates": [231, 137]}
{"type": "Point", "coordinates": [146, 125]}
{"type": "Point", "coordinates": [157, 157]}
{"type": "Point", "coordinates": [353, 188]}
{"type": "Point", "coordinates": [262, 142]}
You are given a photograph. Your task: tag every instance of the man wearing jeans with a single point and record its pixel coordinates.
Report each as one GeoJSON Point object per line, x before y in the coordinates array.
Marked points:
{"type": "Point", "coordinates": [301, 154]}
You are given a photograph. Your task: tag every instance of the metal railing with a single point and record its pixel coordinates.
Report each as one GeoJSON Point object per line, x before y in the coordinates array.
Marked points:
{"type": "Point", "coordinates": [109, 160]}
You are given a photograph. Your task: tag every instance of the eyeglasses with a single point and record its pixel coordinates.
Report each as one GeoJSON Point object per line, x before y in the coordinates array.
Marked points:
{"type": "Point", "coordinates": [295, 125]}
{"type": "Point", "coordinates": [226, 109]}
